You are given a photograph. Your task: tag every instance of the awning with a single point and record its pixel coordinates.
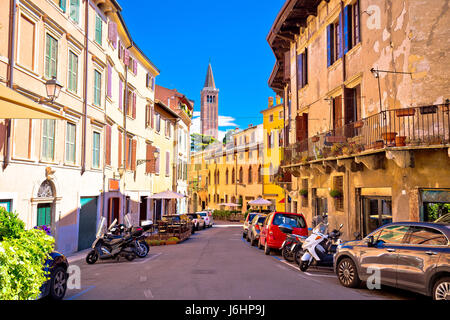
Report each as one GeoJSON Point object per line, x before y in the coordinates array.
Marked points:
{"type": "Point", "coordinates": [167, 195]}
{"type": "Point", "coordinates": [230, 204]}
{"type": "Point", "coordinates": [14, 105]}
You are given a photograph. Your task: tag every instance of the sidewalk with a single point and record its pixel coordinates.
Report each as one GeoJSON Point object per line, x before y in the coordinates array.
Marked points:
{"type": "Point", "coordinates": [76, 256]}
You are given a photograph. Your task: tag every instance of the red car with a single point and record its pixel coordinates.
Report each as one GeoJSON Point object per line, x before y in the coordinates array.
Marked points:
{"type": "Point", "coordinates": [272, 238]}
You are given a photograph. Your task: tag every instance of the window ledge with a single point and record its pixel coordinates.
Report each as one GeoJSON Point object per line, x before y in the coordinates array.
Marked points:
{"type": "Point", "coordinates": [335, 64]}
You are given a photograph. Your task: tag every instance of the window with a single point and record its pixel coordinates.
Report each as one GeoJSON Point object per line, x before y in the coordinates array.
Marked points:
{"type": "Point", "coordinates": [250, 175]}
{"type": "Point", "coordinates": [109, 86]}
{"type": "Point", "coordinates": [339, 185]}
{"type": "Point", "coordinates": [96, 150]}
{"type": "Point", "coordinates": [260, 175]}
{"type": "Point", "coordinates": [108, 145]}
{"type": "Point", "coordinates": [426, 236]}
{"type": "Point", "coordinates": [157, 162]}
{"type": "Point", "coordinates": [393, 234]}
{"type": "Point", "coordinates": [271, 118]}
{"type": "Point", "coordinates": [97, 88]}
{"type": "Point", "coordinates": [158, 122]}
{"type": "Point", "coordinates": [51, 56]}
{"type": "Point", "coordinates": [351, 26]}
{"type": "Point", "coordinates": [48, 139]}
{"type": "Point", "coordinates": [294, 221]}
{"type": "Point", "coordinates": [73, 72]}
{"type": "Point", "coordinates": [334, 40]}
{"type": "Point", "coordinates": [302, 64]}
{"type": "Point", "coordinates": [71, 130]}
{"type": "Point", "coordinates": [98, 29]}
{"type": "Point", "coordinates": [148, 115]}
{"type": "Point", "coordinates": [167, 163]}
{"type": "Point", "coordinates": [75, 10]}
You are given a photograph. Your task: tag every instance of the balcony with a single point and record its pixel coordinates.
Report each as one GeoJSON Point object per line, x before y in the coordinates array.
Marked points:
{"type": "Point", "coordinates": [397, 129]}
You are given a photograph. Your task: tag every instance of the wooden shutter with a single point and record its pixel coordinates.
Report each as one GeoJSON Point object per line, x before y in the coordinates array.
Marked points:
{"type": "Point", "coordinates": [120, 50]}
{"type": "Point", "coordinates": [167, 163]}
{"type": "Point", "coordinates": [305, 67]}
{"type": "Point", "coordinates": [135, 67]}
{"type": "Point", "coordinates": [133, 155]}
{"type": "Point", "coordinates": [150, 165]}
{"type": "Point", "coordinates": [120, 94]}
{"type": "Point", "coordinates": [126, 57]}
{"type": "Point", "coordinates": [120, 149]}
{"type": "Point", "coordinates": [337, 112]}
{"type": "Point", "coordinates": [356, 25]}
{"type": "Point", "coordinates": [109, 91]}
{"type": "Point", "coordinates": [157, 162]}
{"type": "Point", "coordinates": [108, 145]}
{"type": "Point", "coordinates": [127, 153]}
{"type": "Point", "coordinates": [134, 106]}
{"type": "Point", "coordinates": [287, 65]}
{"type": "Point", "coordinates": [299, 127]}
{"type": "Point", "coordinates": [329, 45]}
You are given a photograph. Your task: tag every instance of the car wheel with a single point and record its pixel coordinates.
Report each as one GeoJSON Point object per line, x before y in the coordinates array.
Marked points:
{"type": "Point", "coordinates": [266, 249]}
{"type": "Point", "coordinates": [441, 289]}
{"type": "Point", "coordinates": [58, 284]}
{"type": "Point", "coordinates": [347, 273]}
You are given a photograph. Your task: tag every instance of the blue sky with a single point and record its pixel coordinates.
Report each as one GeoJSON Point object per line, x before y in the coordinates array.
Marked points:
{"type": "Point", "coordinates": [181, 36]}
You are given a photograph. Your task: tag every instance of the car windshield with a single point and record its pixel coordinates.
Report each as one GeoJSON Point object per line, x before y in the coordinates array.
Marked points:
{"type": "Point", "coordinates": [251, 216]}
{"type": "Point", "coordinates": [293, 220]}
{"type": "Point", "coordinates": [321, 228]}
{"type": "Point", "coordinates": [203, 214]}
{"type": "Point", "coordinates": [261, 219]}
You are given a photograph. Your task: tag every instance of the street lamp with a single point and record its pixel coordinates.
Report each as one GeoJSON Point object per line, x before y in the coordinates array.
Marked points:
{"type": "Point", "coordinates": [155, 155]}
{"type": "Point", "coordinates": [53, 88]}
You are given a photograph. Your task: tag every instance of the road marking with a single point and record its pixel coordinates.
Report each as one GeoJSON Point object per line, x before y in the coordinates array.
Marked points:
{"type": "Point", "coordinates": [81, 293]}
{"type": "Point", "coordinates": [147, 259]}
{"type": "Point", "coordinates": [148, 294]}
{"type": "Point", "coordinates": [228, 225]}
{"type": "Point", "coordinates": [142, 278]}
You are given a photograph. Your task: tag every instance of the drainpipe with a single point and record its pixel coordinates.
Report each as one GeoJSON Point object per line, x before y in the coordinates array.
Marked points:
{"type": "Point", "coordinates": [124, 138]}
{"type": "Point", "coordinates": [86, 61]}
{"type": "Point", "coordinates": [12, 28]}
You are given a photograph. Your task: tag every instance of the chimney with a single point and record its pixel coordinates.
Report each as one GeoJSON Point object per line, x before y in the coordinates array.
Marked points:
{"type": "Point", "coordinates": [278, 99]}
{"type": "Point", "coordinates": [270, 102]}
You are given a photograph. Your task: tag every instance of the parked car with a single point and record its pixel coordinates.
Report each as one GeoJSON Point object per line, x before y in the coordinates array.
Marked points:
{"type": "Point", "coordinates": [197, 220]}
{"type": "Point", "coordinates": [409, 255]}
{"type": "Point", "coordinates": [55, 288]}
{"type": "Point", "coordinates": [255, 227]}
{"type": "Point", "coordinates": [271, 237]}
{"type": "Point", "coordinates": [247, 221]}
{"type": "Point", "coordinates": [207, 216]}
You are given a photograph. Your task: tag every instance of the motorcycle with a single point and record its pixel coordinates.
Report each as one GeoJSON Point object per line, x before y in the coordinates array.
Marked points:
{"type": "Point", "coordinates": [291, 249]}
{"type": "Point", "coordinates": [137, 233]}
{"type": "Point", "coordinates": [320, 247]}
{"type": "Point", "coordinates": [110, 246]}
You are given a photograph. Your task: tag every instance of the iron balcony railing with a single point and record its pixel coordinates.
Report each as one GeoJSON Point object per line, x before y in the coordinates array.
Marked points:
{"type": "Point", "coordinates": [408, 127]}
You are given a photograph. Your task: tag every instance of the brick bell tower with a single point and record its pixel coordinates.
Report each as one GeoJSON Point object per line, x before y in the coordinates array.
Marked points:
{"type": "Point", "coordinates": [210, 106]}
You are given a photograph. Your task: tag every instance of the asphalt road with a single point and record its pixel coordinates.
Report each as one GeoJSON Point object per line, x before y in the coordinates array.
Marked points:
{"type": "Point", "coordinates": [214, 264]}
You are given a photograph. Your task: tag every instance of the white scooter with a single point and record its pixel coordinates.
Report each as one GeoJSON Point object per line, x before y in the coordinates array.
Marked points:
{"type": "Point", "coordinates": [320, 247]}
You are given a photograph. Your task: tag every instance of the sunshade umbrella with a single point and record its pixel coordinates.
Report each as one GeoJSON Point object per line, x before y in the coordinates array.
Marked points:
{"type": "Point", "coordinates": [260, 202]}
{"type": "Point", "coordinates": [14, 105]}
{"type": "Point", "coordinates": [229, 204]}
{"type": "Point", "coordinates": [167, 195]}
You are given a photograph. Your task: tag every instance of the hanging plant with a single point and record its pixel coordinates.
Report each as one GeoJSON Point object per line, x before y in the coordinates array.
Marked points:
{"type": "Point", "coordinates": [303, 192]}
{"type": "Point", "coordinates": [336, 193]}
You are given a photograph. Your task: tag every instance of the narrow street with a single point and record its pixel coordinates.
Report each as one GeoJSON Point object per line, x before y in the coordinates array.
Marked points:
{"type": "Point", "coordinates": [214, 264]}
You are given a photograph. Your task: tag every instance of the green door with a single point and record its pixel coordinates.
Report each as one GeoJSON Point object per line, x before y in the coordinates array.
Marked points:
{"type": "Point", "coordinates": [88, 222]}
{"type": "Point", "coordinates": [44, 214]}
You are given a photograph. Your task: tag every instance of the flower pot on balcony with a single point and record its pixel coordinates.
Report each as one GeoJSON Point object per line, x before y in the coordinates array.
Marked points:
{"type": "Point", "coordinates": [400, 141]}
{"type": "Point", "coordinates": [315, 139]}
{"type": "Point", "coordinates": [405, 112]}
{"type": "Point", "coordinates": [389, 136]}
{"type": "Point", "coordinates": [358, 124]}
{"type": "Point", "coordinates": [428, 110]}
{"type": "Point", "coordinates": [378, 144]}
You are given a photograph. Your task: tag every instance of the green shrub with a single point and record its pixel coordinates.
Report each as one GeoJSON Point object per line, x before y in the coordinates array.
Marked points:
{"type": "Point", "coordinates": [22, 257]}
{"type": "Point", "coordinates": [173, 239]}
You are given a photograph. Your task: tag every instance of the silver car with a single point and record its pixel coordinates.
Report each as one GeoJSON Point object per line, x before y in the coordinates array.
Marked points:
{"type": "Point", "coordinates": [409, 255]}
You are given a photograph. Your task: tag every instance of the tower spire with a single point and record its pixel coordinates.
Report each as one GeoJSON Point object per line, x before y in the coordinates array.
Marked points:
{"type": "Point", "coordinates": [209, 82]}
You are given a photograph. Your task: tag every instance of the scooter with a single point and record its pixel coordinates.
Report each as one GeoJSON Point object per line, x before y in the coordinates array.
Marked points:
{"type": "Point", "coordinates": [141, 246]}
{"type": "Point", "coordinates": [320, 247]}
{"type": "Point", "coordinates": [292, 245]}
{"type": "Point", "coordinates": [109, 246]}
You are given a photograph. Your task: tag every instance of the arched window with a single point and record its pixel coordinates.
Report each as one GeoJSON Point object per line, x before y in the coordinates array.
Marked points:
{"type": "Point", "coordinates": [226, 177]}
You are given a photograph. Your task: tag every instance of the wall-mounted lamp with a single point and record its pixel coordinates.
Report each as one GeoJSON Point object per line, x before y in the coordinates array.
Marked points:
{"type": "Point", "coordinates": [53, 88]}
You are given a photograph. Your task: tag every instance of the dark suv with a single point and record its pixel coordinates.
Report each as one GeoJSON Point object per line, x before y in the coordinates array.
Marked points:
{"type": "Point", "coordinates": [409, 255]}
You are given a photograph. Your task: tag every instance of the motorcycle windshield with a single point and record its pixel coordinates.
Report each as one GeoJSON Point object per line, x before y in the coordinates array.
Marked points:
{"type": "Point", "coordinates": [321, 228]}
{"type": "Point", "coordinates": [127, 220]}
{"type": "Point", "coordinates": [101, 227]}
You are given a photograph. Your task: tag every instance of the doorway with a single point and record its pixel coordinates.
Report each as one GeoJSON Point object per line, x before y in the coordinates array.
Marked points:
{"type": "Point", "coordinates": [44, 214]}
{"type": "Point", "coordinates": [143, 209]}
{"type": "Point", "coordinates": [113, 210]}
{"type": "Point", "coordinates": [87, 227]}
{"type": "Point", "coordinates": [376, 212]}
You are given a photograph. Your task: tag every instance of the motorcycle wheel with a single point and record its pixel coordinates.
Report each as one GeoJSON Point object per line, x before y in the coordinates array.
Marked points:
{"type": "Point", "coordinates": [130, 257]}
{"type": "Point", "coordinates": [142, 249]}
{"type": "Point", "coordinates": [298, 255]}
{"type": "Point", "coordinates": [92, 257]}
{"type": "Point", "coordinates": [304, 265]}
{"type": "Point", "coordinates": [287, 254]}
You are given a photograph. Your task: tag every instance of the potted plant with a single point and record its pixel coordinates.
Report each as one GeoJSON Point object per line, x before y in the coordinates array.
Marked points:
{"type": "Point", "coordinates": [428, 109]}
{"type": "Point", "coordinates": [405, 112]}
{"type": "Point", "coordinates": [336, 193]}
{"type": "Point", "coordinates": [400, 141]}
{"type": "Point", "coordinates": [378, 144]}
{"type": "Point", "coordinates": [336, 149]}
{"type": "Point", "coordinates": [389, 136]}
{"type": "Point", "coordinates": [358, 124]}
{"type": "Point", "coordinates": [303, 192]}
{"type": "Point", "coordinates": [172, 240]}
{"type": "Point", "coordinates": [315, 139]}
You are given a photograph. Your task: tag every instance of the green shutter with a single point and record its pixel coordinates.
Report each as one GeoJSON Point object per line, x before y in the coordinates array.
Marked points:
{"type": "Point", "coordinates": [73, 72]}
{"type": "Point", "coordinates": [62, 5]}
{"type": "Point", "coordinates": [70, 142]}
{"type": "Point", "coordinates": [96, 150]}
{"type": "Point", "coordinates": [51, 53]}
{"type": "Point", "coordinates": [98, 30]}
{"type": "Point", "coordinates": [44, 215]}
{"type": "Point", "coordinates": [75, 10]}
{"type": "Point", "coordinates": [97, 88]}
{"type": "Point", "coordinates": [48, 139]}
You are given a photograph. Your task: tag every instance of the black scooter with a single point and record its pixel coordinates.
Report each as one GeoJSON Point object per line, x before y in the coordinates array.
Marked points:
{"type": "Point", "coordinates": [137, 233]}
{"type": "Point", "coordinates": [291, 250]}
{"type": "Point", "coordinates": [109, 246]}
